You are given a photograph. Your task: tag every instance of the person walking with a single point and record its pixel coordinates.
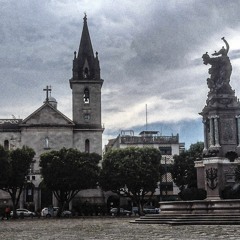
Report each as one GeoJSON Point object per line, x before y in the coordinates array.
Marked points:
{"type": "Point", "coordinates": [7, 212]}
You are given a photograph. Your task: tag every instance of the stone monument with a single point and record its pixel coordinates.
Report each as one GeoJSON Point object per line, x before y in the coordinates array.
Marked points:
{"type": "Point", "coordinates": [221, 119]}
{"type": "Point", "coordinates": [221, 154]}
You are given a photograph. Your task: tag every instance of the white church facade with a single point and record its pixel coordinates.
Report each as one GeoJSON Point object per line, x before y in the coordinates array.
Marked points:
{"type": "Point", "coordinates": [48, 129]}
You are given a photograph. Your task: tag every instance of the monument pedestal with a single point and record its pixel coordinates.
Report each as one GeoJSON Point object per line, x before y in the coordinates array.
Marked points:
{"type": "Point", "coordinates": [214, 174]}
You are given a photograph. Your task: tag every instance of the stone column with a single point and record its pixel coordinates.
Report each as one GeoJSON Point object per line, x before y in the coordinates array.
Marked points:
{"type": "Point", "coordinates": [36, 198]}
{"type": "Point", "coordinates": [54, 201]}
{"type": "Point", "coordinates": [205, 135]}
{"type": "Point", "coordinates": [238, 129]}
{"type": "Point", "coordinates": [39, 197]}
{"type": "Point", "coordinates": [22, 198]}
{"type": "Point", "coordinates": [211, 131]}
{"type": "Point", "coordinates": [216, 132]}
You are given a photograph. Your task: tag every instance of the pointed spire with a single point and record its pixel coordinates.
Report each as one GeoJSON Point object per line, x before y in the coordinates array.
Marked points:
{"type": "Point", "coordinates": [85, 64]}
{"type": "Point", "coordinates": [85, 48]}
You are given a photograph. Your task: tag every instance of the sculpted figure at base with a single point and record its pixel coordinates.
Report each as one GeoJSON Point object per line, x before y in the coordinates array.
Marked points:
{"type": "Point", "coordinates": [220, 70]}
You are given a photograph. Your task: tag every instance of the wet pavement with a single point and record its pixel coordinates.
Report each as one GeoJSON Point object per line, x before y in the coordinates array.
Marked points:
{"type": "Point", "coordinates": [108, 228]}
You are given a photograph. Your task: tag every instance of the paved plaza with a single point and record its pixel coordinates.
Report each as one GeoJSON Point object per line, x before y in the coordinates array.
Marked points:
{"type": "Point", "coordinates": [108, 228]}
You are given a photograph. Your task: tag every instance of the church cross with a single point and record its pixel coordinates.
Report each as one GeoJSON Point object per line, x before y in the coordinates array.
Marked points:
{"type": "Point", "coordinates": [47, 89]}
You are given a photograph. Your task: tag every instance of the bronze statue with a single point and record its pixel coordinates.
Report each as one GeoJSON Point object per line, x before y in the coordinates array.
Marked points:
{"type": "Point", "coordinates": [220, 70]}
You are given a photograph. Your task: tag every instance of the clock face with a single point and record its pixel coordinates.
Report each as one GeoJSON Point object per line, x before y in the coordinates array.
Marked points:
{"type": "Point", "coordinates": [87, 117]}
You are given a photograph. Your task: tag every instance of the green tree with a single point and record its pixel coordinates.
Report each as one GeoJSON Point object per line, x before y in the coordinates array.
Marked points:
{"type": "Point", "coordinates": [183, 172]}
{"type": "Point", "coordinates": [133, 171]}
{"type": "Point", "coordinates": [14, 166]}
{"type": "Point", "coordinates": [67, 171]}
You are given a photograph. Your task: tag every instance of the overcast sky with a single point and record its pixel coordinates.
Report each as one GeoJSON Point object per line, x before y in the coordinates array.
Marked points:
{"type": "Point", "coordinates": [150, 53]}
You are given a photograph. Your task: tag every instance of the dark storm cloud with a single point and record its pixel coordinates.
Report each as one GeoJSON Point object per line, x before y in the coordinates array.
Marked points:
{"type": "Point", "coordinates": [170, 33]}
{"type": "Point", "coordinates": [159, 58]}
{"type": "Point", "coordinates": [150, 52]}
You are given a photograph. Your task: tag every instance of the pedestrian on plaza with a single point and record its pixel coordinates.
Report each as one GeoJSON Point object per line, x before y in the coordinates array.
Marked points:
{"type": "Point", "coordinates": [7, 212]}
{"type": "Point", "coordinates": [38, 212]}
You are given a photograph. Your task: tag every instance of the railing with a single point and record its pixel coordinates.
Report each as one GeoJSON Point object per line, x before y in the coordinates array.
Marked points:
{"type": "Point", "coordinates": [149, 139]}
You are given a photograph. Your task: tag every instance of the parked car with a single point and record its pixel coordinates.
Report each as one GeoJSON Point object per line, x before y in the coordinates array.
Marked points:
{"type": "Point", "coordinates": [135, 210]}
{"type": "Point", "coordinates": [151, 210]}
{"type": "Point", "coordinates": [52, 212]}
{"type": "Point", "coordinates": [122, 211]}
{"type": "Point", "coordinates": [22, 212]}
{"type": "Point", "coordinates": [146, 210]}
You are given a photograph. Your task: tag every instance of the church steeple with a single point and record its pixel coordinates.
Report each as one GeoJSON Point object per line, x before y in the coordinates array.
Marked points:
{"type": "Point", "coordinates": [85, 64]}
{"type": "Point", "coordinates": [86, 85]}
{"type": "Point", "coordinates": [85, 48]}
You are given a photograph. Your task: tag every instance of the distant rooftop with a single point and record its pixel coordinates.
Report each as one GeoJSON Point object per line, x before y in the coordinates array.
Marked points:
{"type": "Point", "coordinates": [127, 137]}
{"type": "Point", "coordinates": [148, 132]}
{"type": "Point", "coordinates": [149, 139]}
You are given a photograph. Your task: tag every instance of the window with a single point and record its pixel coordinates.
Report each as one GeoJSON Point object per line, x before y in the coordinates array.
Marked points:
{"type": "Point", "coordinates": [6, 145]}
{"type": "Point", "coordinates": [87, 117]}
{"type": "Point", "coordinates": [87, 146]}
{"type": "Point", "coordinates": [86, 96]}
{"type": "Point", "coordinates": [85, 72]}
{"type": "Point", "coordinates": [46, 144]}
{"type": "Point", "coordinates": [29, 192]}
{"type": "Point", "coordinates": [165, 150]}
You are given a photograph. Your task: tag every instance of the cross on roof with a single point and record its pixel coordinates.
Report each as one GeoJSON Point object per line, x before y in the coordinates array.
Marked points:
{"type": "Point", "coordinates": [47, 89]}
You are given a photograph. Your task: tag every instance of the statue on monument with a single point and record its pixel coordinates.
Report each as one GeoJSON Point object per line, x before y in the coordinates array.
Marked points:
{"type": "Point", "coordinates": [220, 70]}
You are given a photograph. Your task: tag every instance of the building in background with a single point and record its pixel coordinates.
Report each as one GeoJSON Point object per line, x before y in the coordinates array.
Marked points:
{"type": "Point", "coordinates": [48, 129]}
{"type": "Point", "coordinates": [168, 145]}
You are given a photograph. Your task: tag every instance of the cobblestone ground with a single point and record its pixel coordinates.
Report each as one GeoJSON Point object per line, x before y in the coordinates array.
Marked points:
{"type": "Point", "coordinates": [108, 228]}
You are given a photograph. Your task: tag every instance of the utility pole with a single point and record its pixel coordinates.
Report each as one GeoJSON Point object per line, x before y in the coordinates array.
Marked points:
{"type": "Point", "coordinates": [146, 117]}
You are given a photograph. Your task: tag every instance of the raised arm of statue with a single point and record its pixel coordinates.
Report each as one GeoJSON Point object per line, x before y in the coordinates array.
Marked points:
{"type": "Point", "coordinates": [222, 51]}
{"type": "Point", "coordinates": [227, 45]}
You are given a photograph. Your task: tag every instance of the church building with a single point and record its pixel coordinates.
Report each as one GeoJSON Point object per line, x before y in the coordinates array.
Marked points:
{"type": "Point", "coordinates": [48, 129]}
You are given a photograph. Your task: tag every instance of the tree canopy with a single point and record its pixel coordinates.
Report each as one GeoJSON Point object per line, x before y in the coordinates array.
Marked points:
{"type": "Point", "coordinates": [68, 171]}
{"type": "Point", "coordinates": [14, 166]}
{"type": "Point", "coordinates": [183, 172]}
{"type": "Point", "coordinates": [133, 171]}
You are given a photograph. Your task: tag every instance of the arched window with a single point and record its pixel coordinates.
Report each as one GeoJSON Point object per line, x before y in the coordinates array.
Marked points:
{"type": "Point", "coordinates": [86, 96]}
{"type": "Point", "coordinates": [85, 72]}
{"type": "Point", "coordinates": [87, 146]}
{"type": "Point", "coordinates": [46, 143]}
{"type": "Point", "coordinates": [6, 145]}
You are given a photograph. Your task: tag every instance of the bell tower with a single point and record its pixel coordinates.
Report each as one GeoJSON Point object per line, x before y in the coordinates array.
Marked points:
{"type": "Point", "coordinates": [86, 85]}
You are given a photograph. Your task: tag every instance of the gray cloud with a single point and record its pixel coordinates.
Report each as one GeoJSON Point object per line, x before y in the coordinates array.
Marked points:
{"type": "Point", "coordinates": [150, 52]}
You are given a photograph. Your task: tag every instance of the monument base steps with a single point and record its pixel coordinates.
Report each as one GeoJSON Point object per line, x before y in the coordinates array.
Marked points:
{"type": "Point", "coordinates": [200, 212]}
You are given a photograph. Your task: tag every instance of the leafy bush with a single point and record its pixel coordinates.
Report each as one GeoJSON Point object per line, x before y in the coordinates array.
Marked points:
{"type": "Point", "coordinates": [231, 192]}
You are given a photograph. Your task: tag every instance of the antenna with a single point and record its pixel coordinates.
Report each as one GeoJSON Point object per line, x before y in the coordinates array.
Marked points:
{"type": "Point", "coordinates": [146, 117]}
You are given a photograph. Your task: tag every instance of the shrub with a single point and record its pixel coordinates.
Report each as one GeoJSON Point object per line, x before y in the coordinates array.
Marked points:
{"type": "Point", "coordinates": [231, 192]}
